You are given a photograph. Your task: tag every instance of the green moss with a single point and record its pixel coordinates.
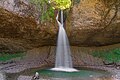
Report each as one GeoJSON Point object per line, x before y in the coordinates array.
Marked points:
{"type": "Point", "coordinates": [46, 12]}
{"type": "Point", "coordinates": [109, 56]}
{"type": "Point", "coordinates": [7, 56]}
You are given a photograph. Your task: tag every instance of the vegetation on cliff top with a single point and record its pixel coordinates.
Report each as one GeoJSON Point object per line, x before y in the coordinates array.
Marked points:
{"type": "Point", "coordinates": [60, 4]}
{"type": "Point", "coordinates": [46, 7]}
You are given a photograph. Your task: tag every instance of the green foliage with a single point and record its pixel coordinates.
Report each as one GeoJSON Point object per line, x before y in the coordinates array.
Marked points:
{"type": "Point", "coordinates": [109, 56]}
{"type": "Point", "coordinates": [46, 7]}
{"type": "Point", "coordinates": [45, 10]}
{"type": "Point", "coordinates": [7, 56]}
{"type": "Point", "coordinates": [60, 4]}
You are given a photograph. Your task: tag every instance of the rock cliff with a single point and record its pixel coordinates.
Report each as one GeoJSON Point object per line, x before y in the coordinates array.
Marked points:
{"type": "Point", "coordinates": [89, 23]}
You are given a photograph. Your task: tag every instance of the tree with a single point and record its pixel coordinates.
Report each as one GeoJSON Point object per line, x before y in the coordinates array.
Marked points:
{"type": "Point", "coordinates": [60, 4]}
{"type": "Point", "coordinates": [46, 7]}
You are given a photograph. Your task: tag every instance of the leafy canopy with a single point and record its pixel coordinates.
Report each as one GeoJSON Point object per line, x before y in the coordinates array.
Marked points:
{"type": "Point", "coordinates": [60, 4]}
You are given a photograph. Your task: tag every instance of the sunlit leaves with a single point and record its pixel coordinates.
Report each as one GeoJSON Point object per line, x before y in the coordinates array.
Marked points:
{"type": "Point", "coordinates": [46, 7]}
{"type": "Point", "coordinates": [60, 4]}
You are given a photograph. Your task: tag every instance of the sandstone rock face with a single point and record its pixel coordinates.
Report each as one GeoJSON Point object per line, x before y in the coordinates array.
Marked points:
{"type": "Point", "coordinates": [95, 22]}
{"type": "Point", "coordinates": [89, 23]}
{"type": "Point", "coordinates": [19, 30]}
{"type": "Point", "coordinates": [21, 7]}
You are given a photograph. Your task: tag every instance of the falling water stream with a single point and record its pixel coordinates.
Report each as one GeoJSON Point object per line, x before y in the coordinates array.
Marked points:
{"type": "Point", "coordinates": [63, 54]}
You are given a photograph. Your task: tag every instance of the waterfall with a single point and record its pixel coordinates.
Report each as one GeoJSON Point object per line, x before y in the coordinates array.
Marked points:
{"type": "Point", "coordinates": [63, 60]}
